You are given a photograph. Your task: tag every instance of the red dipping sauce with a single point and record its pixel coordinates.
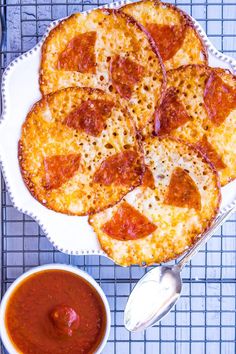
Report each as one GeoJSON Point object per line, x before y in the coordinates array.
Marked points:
{"type": "Point", "coordinates": [55, 312]}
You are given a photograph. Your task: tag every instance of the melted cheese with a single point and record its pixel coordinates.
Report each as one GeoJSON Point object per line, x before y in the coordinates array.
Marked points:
{"type": "Point", "coordinates": [192, 50]}
{"type": "Point", "coordinates": [43, 134]}
{"type": "Point", "coordinates": [116, 34]}
{"type": "Point", "coordinates": [177, 228]}
{"type": "Point", "coordinates": [190, 82]}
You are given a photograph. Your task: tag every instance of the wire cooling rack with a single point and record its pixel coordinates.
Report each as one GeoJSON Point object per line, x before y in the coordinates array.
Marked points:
{"type": "Point", "coordinates": [204, 320]}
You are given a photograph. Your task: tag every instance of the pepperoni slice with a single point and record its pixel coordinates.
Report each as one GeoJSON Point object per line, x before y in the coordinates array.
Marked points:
{"type": "Point", "coordinates": [171, 113]}
{"type": "Point", "coordinates": [148, 179]}
{"type": "Point", "coordinates": [219, 99]}
{"type": "Point", "coordinates": [182, 191]}
{"type": "Point", "coordinates": [128, 224]}
{"type": "Point", "coordinates": [90, 116]}
{"type": "Point", "coordinates": [124, 168]}
{"type": "Point", "coordinates": [125, 73]}
{"type": "Point", "coordinates": [206, 148]}
{"type": "Point", "coordinates": [60, 168]}
{"type": "Point", "coordinates": [168, 38]}
{"type": "Point", "coordinates": [79, 54]}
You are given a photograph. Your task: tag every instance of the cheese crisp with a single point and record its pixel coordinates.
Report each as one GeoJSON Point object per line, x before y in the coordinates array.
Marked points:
{"type": "Point", "coordinates": [158, 221]}
{"type": "Point", "coordinates": [140, 150]}
{"type": "Point", "coordinates": [79, 152]}
{"type": "Point", "coordinates": [199, 106]}
{"type": "Point", "coordinates": [105, 49]}
{"type": "Point", "coordinates": [172, 30]}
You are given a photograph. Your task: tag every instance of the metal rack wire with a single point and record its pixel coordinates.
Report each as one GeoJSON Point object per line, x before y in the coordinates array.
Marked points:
{"type": "Point", "coordinates": [204, 320]}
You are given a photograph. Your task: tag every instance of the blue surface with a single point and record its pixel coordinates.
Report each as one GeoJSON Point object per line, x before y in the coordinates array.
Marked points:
{"type": "Point", "coordinates": [204, 319]}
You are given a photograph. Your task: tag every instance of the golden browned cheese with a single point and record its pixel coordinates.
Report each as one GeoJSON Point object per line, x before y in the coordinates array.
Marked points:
{"type": "Point", "coordinates": [173, 31]}
{"type": "Point", "coordinates": [179, 220]}
{"type": "Point", "coordinates": [208, 96]}
{"type": "Point", "coordinates": [111, 52]}
{"type": "Point", "coordinates": [61, 157]}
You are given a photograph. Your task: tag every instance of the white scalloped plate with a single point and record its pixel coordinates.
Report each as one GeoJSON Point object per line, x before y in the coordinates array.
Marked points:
{"type": "Point", "coordinates": [20, 90]}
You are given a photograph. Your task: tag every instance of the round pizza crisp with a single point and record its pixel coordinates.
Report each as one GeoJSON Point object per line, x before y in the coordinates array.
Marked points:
{"type": "Point", "coordinates": [158, 221]}
{"type": "Point", "coordinates": [79, 151]}
{"type": "Point", "coordinates": [199, 106]}
{"type": "Point", "coordinates": [172, 30]}
{"type": "Point", "coordinates": [105, 49]}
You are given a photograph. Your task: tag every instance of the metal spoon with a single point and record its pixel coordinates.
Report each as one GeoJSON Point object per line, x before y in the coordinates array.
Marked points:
{"type": "Point", "coordinates": [158, 290]}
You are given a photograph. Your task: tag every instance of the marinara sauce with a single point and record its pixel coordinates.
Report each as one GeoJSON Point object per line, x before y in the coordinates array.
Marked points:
{"type": "Point", "coordinates": [55, 312]}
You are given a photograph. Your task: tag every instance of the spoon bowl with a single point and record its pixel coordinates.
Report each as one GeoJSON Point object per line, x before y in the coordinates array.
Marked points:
{"type": "Point", "coordinates": [153, 297]}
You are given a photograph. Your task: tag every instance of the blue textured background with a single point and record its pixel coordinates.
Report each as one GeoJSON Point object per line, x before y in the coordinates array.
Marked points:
{"type": "Point", "coordinates": [204, 320]}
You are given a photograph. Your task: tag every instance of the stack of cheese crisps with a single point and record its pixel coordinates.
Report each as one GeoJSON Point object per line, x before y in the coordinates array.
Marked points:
{"type": "Point", "coordinates": [134, 129]}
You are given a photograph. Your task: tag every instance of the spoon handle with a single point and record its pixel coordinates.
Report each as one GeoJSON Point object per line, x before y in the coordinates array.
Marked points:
{"type": "Point", "coordinates": [204, 238]}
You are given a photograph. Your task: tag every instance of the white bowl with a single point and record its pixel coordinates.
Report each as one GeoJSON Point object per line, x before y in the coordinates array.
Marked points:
{"type": "Point", "coordinates": [3, 331]}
